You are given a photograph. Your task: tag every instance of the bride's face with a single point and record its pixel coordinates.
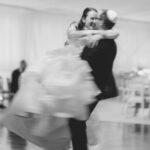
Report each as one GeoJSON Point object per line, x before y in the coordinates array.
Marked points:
{"type": "Point", "coordinates": [90, 20]}
{"type": "Point", "coordinates": [99, 21]}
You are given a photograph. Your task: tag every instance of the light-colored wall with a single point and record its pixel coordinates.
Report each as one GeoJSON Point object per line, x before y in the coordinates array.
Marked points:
{"type": "Point", "coordinates": [133, 45]}
{"type": "Point", "coordinates": [28, 34]}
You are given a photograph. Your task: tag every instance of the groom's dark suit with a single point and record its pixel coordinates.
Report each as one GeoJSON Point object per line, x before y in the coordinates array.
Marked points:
{"type": "Point", "coordinates": [101, 60]}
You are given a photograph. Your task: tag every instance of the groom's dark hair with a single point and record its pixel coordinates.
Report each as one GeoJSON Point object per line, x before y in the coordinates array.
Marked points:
{"type": "Point", "coordinates": [107, 24]}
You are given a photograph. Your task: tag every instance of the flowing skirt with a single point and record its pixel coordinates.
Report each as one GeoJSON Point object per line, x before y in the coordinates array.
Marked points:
{"type": "Point", "coordinates": [57, 137]}
{"type": "Point", "coordinates": [56, 88]}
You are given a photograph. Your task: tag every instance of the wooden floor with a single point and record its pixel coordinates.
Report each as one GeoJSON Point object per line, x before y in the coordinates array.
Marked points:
{"type": "Point", "coordinates": [114, 134]}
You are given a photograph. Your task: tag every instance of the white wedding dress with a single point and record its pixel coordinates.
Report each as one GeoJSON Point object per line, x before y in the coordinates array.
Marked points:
{"type": "Point", "coordinates": [57, 87]}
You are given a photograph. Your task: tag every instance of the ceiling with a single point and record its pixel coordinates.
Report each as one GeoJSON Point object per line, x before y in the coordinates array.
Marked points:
{"type": "Point", "coordinates": [127, 9]}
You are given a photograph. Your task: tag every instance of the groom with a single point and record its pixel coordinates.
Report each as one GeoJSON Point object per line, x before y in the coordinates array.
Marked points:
{"type": "Point", "coordinates": [101, 58]}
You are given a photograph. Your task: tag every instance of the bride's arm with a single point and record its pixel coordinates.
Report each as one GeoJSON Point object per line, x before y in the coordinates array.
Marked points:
{"type": "Point", "coordinates": [106, 34]}
{"type": "Point", "coordinates": [74, 34]}
{"type": "Point", "coordinates": [93, 40]}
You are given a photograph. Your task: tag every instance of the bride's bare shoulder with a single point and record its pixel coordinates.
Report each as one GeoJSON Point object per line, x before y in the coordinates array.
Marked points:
{"type": "Point", "coordinates": [73, 26]}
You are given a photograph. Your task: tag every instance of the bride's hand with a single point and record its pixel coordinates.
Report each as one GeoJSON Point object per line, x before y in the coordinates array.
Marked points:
{"type": "Point", "coordinates": [90, 40]}
{"type": "Point", "coordinates": [94, 40]}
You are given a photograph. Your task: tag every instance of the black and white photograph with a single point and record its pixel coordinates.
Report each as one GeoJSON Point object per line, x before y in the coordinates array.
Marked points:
{"type": "Point", "coordinates": [74, 75]}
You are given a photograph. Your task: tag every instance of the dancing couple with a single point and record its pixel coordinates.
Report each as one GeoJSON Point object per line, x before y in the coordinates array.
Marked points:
{"type": "Point", "coordinates": [58, 93]}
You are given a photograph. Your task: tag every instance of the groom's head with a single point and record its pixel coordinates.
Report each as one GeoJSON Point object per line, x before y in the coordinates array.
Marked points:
{"type": "Point", "coordinates": [107, 19]}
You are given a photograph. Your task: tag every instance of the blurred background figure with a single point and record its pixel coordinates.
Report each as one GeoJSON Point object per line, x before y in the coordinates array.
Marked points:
{"type": "Point", "coordinates": [16, 142]}
{"type": "Point", "coordinates": [1, 92]}
{"type": "Point", "coordinates": [1, 84]}
{"type": "Point", "coordinates": [15, 76]}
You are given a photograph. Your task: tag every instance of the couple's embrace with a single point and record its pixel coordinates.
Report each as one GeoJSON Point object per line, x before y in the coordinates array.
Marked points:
{"type": "Point", "coordinates": [63, 85]}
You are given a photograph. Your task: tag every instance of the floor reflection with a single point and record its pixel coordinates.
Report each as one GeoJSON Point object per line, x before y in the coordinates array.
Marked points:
{"type": "Point", "coordinates": [11, 141]}
{"type": "Point", "coordinates": [112, 136]}
{"type": "Point", "coordinates": [142, 128]}
{"type": "Point", "coordinates": [124, 136]}
{"type": "Point", "coordinates": [16, 142]}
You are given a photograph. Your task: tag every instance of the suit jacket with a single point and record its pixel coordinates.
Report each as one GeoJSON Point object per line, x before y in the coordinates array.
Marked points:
{"type": "Point", "coordinates": [15, 81]}
{"type": "Point", "coordinates": [100, 59]}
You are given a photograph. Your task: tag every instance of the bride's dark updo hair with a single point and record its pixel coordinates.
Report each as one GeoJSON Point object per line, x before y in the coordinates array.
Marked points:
{"type": "Point", "coordinates": [84, 15]}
